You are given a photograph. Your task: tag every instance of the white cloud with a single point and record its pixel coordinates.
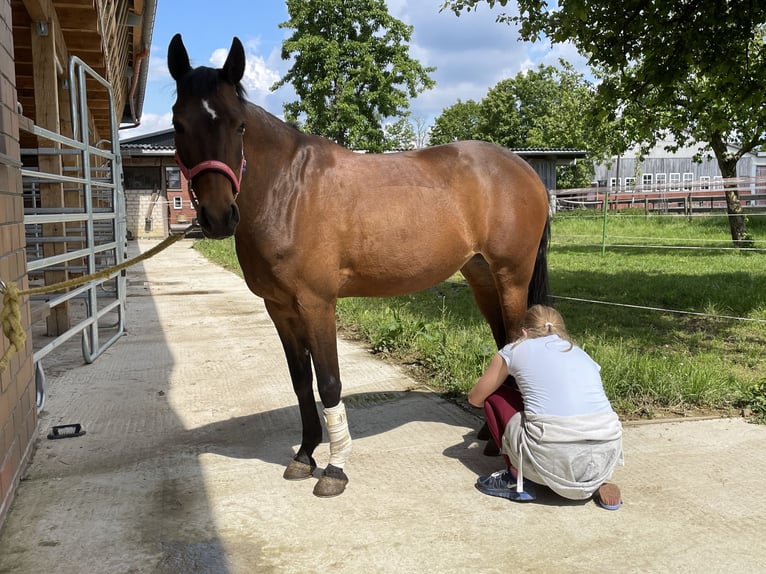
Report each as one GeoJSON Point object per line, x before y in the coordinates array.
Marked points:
{"type": "Point", "coordinates": [258, 78]}
{"type": "Point", "coordinates": [472, 53]}
{"type": "Point", "coordinates": [149, 123]}
{"type": "Point", "coordinates": [158, 63]}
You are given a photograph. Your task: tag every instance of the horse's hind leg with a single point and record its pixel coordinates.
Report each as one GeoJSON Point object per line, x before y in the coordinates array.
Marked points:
{"type": "Point", "coordinates": [290, 332]}
{"type": "Point", "coordinates": [479, 277]}
{"type": "Point", "coordinates": [487, 297]}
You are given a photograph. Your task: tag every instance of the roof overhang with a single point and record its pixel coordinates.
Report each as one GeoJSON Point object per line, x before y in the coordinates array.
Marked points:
{"type": "Point", "coordinates": [560, 157]}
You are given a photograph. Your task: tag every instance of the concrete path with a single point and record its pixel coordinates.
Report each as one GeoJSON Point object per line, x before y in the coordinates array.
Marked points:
{"type": "Point", "coordinates": [191, 419]}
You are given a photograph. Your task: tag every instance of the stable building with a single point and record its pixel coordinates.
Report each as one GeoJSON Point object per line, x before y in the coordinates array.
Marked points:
{"type": "Point", "coordinates": [72, 74]}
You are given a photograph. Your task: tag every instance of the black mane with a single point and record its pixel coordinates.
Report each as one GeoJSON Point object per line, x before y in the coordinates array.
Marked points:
{"type": "Point", "coordinates": [202, 82]}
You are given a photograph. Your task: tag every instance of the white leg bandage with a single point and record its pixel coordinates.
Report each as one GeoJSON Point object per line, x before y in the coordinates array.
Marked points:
{"type": "Point", "coordinates": [340, 439]}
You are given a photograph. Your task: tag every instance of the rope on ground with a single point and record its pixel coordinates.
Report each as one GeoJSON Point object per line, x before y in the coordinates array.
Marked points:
{"type": "Point", "coordinates": [11, 313]}
{"type": "Point", "coordinates": [629, 306]}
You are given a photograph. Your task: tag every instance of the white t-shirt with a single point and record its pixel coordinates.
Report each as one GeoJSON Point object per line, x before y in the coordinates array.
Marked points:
{"type": "Point", "coordinates": [554, 380]}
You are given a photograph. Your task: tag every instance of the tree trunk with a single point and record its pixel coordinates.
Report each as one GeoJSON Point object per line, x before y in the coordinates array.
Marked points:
{"type": "Point", "coordinates": [737, 219]}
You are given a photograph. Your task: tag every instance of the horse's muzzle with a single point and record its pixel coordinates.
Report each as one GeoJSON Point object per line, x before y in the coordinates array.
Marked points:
{"type": "Point", "coordinates": [218, 225]}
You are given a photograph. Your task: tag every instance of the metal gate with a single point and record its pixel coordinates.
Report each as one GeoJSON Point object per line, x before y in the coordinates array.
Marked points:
{"type": "Point", "coordinates": [85, 234]}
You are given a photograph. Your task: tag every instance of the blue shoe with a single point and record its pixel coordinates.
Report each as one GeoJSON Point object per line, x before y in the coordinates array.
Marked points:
{"type": "Point", "coordinates": [503, 484]}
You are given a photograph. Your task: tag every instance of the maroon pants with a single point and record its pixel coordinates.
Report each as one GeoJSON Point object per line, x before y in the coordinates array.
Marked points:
{"type": "Point", "coordinates": [499, 407]}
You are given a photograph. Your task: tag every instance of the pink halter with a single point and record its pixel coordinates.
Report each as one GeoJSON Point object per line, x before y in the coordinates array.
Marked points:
{"type": "Point", "coordinates": [212, 165]}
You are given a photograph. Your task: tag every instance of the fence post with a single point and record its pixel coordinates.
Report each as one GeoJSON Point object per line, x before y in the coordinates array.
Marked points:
{"type": "Point", "coordinates": [603, 229]}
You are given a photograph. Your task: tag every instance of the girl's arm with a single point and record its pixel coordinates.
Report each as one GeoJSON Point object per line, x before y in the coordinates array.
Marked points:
{"type": "Point", "coordinates": [489, 382]}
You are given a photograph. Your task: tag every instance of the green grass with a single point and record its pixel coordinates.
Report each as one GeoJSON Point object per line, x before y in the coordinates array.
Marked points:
{"type": "Point", "coordinates": [653, 362]}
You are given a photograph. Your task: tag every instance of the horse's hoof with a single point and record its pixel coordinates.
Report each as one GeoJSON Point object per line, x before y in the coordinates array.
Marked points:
{"type": "Point", "coordinates": [298, 470]}
{"type": "Point", "coordinates": [332, 483]}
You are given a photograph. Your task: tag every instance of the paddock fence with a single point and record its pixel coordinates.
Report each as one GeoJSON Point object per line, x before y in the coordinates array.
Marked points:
{"type": "Point", "coordinates": [690, 206]}
{"type": "Point", "coordinates": [677, 198]}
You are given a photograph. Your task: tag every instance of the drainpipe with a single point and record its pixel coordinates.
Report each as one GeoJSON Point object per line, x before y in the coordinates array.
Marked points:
{"type": "Point", "coordinates": [133, 85]}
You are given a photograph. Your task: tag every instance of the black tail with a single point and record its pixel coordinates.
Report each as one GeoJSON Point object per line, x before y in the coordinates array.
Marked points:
{"type": "Point", "coordinates": [538, 286]}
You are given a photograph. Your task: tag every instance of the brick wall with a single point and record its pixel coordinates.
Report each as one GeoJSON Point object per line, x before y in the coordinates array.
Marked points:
{"type": "Point", "coordinates": [18, 412]}
{"type": "Point", "coordinates": [137, 206]}
{"type": "Point", "coordinates": [180, 218]}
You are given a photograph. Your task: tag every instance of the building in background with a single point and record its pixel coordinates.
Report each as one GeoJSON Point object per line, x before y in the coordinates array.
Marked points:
{"type": "Point", "coordinates": [50, 189]}
{"type": "Point", "coordinates": [673, 171]}
{"type": "Point", "coordinates": [156, 193]}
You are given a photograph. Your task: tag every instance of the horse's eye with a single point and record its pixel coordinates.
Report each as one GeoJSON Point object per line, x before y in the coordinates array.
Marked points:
{"type": "Point", "coordinates": [178, 127]}
{"type": "Point", "coordinates": [241, 128]}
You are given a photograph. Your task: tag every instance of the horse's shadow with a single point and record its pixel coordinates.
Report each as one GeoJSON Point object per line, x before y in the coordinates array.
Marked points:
{"type": "Point", "coordinates": [273, 436]}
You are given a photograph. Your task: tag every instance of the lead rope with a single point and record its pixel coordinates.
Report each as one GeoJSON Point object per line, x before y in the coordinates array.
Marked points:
{"type": "Point", "coordinates": [11, 313]}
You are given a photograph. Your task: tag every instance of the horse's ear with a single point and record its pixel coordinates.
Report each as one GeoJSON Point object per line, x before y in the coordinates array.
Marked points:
{"type": "Point", "coordinates": [178, 58]}
{"type": "Point", "coordinates": [234, 67]}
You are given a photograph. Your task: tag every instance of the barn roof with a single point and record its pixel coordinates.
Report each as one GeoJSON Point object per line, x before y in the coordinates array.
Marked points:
{"type": "Point", "coordinates": [113, 38]}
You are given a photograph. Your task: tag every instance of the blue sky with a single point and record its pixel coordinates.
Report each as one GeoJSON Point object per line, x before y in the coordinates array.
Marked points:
{"type": "Point", "coordinates": [471, 53]}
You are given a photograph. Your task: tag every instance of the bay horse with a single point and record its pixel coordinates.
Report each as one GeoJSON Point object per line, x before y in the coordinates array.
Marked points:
{"type": "Point", "coordinates": [314, 221]}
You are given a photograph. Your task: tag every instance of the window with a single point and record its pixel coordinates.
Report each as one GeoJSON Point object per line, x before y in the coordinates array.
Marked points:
{"type": "Point", "coordinates": [646, 180]}
{"type": "Point", "coordinates": [704, 182]}
{"type": "Point", "coordinates": [718, 182]}
{"type": "Point", "coordinates": [630, 183]}
{"type": "Point", "coordinates": [688, 178]}
{"type": "Point", "coordinates": [142, 177]}
{"type": "Point", "coordinates": [178, 202]}
{"type": "Point", "coordinates": [172, 178]}
{"type": "Point", "coordinates": [675, 181]}
{"type": "Point", "coordinates": [661, 179]}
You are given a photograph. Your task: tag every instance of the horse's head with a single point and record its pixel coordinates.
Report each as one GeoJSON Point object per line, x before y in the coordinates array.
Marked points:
{"type": "Point", "coordinates": [209, 123]}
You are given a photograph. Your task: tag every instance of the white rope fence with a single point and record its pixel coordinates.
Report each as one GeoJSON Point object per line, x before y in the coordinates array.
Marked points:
{"type": "Point", "coordinates": [692, 200]}
{"type": "Point", "coordinates": [649, 308]}
{"type": "Point", "coordinates": [659, 246]}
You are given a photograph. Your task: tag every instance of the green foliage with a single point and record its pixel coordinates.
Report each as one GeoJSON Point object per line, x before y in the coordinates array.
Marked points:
{"type": "Point", "coordinates": [434, 332]}
{"type": "Point", "coordinates": [547, 107]}
{"type": "Point", "coordinates": [696, 70]}
{"type": "Point", "coordinates": [399, 135]}
{"type": "Point", "coordinates": [221, 251]}
{"type": "Point", "coordinates": [458, 122]}
{"type": "Point", "coordinates": [351, 69]}
{"type": "Point", "coordinates": [755, 400]}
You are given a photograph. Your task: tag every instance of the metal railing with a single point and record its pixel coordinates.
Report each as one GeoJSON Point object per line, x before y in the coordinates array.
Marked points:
{"type": "Point", "coordinates": [84, 235]}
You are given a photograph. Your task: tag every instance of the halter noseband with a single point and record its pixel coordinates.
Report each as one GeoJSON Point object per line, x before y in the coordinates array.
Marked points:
{"type": "Point", "coordinates": [212, 165]}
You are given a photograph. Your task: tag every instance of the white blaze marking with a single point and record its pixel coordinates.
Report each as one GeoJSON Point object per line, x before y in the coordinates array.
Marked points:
{"type": "Point", "coordinates": [209, 110]}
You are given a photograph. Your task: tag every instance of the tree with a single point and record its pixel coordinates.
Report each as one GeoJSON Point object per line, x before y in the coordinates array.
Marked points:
{"type": "Point", "coordinates": [695, 70]}
{"type": "Point", "coordinates": [399, 135]}
{"type": "Point", "coordinates": [547, 107]}
{"type": "Point", "coordinates": [351, 69]}
{"type": "Point", "coordinates": [460, 121]}
{"type": "Point", "coordinates": [422, 131]}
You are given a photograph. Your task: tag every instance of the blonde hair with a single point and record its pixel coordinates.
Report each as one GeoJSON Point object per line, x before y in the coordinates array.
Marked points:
{"type": "Point", "coordinates": [541, 321]}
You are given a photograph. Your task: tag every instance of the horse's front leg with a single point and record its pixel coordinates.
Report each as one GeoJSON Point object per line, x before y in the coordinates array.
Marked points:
{"type": "Point", "coordinates": [319, 318]}
{"type": "Point", "coordinates": [292, 334]}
